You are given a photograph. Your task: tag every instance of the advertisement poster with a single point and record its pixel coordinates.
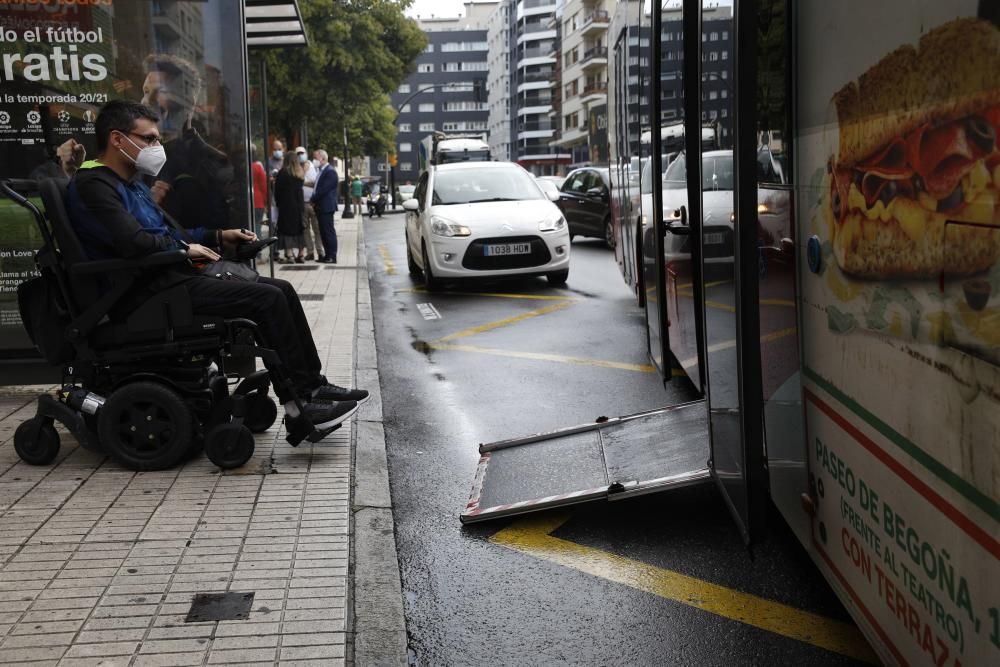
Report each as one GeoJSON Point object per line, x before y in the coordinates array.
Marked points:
{"type": "Point", "coordinates": [898, 152]}
{"type": "Point", "coordinates": [597, 129]}
{"type": "Point", "coordinates": [61, 60]}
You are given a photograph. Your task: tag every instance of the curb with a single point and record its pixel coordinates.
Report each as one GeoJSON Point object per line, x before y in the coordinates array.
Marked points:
{"type": "Point", "coordinates": [379, 623]}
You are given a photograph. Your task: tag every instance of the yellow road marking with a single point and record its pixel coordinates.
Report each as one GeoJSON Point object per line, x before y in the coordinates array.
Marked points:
{"type": "Point", "coordinates": [678, 372]}
{"type": "Point", "coordinates": [777, 302]}
{"type": "Point", "coordinates": [490, 326]}
{"type": "Point", "coordinates": [390, 267]}
{"type": "Point", "coordinates": [710, 284]}
{"type": "Point", "coordinates": [538, 297]}
{"type": "Point", "coordinates": [720, 306]}
{"type": "Point", "coordinates": [725, 345]}
{"type": "Point", "coordinates": [538, 356]}
{"type": "Point", "coordinates": [532, 536]}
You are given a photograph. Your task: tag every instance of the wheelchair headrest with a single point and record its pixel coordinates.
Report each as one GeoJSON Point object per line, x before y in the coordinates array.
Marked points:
{"type": "Point", "coordinates": [53, 191]}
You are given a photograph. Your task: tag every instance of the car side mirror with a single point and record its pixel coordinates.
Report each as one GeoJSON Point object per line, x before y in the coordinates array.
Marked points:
{"type": "Point", "coordinates": [597, 193]}
{"type": "Point", "coordinates": [411, 205]}
{"type": "Point", "coordinates": [553, 196]}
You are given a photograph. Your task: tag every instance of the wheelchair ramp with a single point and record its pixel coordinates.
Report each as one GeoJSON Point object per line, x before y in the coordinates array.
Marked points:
{"type": "Point", "coordinates": [622, 457]}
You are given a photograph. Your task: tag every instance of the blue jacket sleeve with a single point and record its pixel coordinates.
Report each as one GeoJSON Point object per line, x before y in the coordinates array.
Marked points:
{"type": "Point", "coordinates": [326, 184]}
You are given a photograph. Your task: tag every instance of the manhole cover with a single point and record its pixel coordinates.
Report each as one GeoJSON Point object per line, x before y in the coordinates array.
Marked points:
{"type": "Point", "coordinates": [220, 607]}
{"type": "Point", "coordinates": [300, 267]}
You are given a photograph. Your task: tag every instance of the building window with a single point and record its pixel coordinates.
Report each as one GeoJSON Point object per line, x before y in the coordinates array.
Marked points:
{"type": "Point", "coordinates": [429, 49]}
{"type": "Point", "coordinates": [404, 127]}
{"type": "Point", "coordinates": [725, 34]}
{"type": "Point", "coordinates": [713, 37]}
{"type": "Point", "coordinates": [427, 107]}
{"type": "Point", "coordinates": [425, 68]}
{"type": "Point", "coordinates": [405, 147]}
{"type": "Point", "coordinates": [404, 87]}
{"type": "Point", "coordinates": [713, 95]}
{"type": "Point", "coordinates": [405, 109]}
{"type": "Point", "coordinates": [406, 166]}
{"type": "Point", "coordinates": [427, 127]}
{"type": "Point", "coordinates": [725, 55]}
{"type": "Point", "coordinates": [713, 56]}
{"type": "Point", "coordinates": [725, 74]}
{"type": "Point", "coordinates": [724, 94]}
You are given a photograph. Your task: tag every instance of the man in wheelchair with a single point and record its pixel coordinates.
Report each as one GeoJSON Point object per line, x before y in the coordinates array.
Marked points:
{"type": "Point", "coordinates": [114, 217]}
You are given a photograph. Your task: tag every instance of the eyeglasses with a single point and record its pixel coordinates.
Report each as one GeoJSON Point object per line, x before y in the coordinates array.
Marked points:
{"type": "Point", "coordinates": [150, 139]}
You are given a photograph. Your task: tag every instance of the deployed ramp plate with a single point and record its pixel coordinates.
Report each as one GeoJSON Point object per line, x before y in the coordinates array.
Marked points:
{"type": "Point", "coordinates": [622, 457]}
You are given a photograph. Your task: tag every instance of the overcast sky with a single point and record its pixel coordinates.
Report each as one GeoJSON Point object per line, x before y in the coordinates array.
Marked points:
{"type": "Point", "coordinates": [425, 8]}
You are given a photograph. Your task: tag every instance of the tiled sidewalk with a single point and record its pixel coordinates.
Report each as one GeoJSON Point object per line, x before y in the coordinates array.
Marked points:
{"type": "Point", "coordinates": [98, 565]}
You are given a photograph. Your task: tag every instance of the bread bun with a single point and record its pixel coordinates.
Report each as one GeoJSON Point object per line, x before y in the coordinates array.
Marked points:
{"type": "Point", "coordinates": [953, 72]}
{"type": "Point", "coordinates": [881, 249]}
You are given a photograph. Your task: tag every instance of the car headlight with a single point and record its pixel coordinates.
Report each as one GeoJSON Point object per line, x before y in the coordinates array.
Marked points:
{"type": "Point", "coordinates": [553, 225]}
{"type": "Point", "coordinates": [444, 227]}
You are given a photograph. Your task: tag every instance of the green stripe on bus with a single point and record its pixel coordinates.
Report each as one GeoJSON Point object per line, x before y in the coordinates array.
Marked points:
{"type": "Point", "coordinates": [949, 477]}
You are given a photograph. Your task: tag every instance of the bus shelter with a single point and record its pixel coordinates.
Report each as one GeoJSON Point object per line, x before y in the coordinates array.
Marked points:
{"type": "Point", "coordinates": [186, 59]}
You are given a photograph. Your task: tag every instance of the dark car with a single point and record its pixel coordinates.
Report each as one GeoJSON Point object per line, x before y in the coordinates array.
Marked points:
{"type": "Point", "coordinates": [584, 200]}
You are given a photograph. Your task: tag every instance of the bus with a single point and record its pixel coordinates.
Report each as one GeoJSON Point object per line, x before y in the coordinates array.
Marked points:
{"type": "Point", "coordinates": [827, 276]}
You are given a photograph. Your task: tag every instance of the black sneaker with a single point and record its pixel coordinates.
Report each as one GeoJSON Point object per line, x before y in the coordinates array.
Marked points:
{"type": "Point", "coordinates": [317, 420]}
{"type": "Point", "coordinates": [331, 392]}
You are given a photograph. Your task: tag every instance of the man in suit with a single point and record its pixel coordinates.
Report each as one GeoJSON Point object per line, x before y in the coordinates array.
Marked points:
{"type": "Point", "coordinates": [324, 201]}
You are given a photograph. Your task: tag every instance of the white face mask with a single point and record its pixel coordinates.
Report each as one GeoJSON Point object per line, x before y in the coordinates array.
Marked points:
{"type": "Point", "coordinates": [150, 160]}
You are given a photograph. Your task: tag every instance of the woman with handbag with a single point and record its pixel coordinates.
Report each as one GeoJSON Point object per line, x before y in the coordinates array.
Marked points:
{"type": "Point", "coordinates": [291, 208]}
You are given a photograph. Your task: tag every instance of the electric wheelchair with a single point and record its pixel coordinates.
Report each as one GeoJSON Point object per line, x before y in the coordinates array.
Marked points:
{"type": "Point", "coordinates": [149, 385]}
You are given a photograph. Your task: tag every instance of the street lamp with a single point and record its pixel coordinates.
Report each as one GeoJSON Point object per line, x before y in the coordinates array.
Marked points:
{"type": "Point", "coordinates": [476, 88]}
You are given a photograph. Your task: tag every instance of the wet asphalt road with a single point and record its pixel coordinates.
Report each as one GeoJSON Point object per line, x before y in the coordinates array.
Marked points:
{"type": "Point", "coordinates": [469, 601]}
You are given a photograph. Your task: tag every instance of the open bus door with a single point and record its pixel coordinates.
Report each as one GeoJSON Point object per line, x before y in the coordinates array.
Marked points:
{"type": "Point", "coordinates": [651, 451]}
{"type": "Point", "coordinates": [699, 306]}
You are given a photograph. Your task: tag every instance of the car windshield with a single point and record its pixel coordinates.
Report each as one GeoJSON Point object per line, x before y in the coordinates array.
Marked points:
{"type": "Point", "coordinates": [647, 172]}
{"type": "Point", "coordinates": [547, 186]}
{"type": "Point", "coordinates": [470, 186]}
{"type": "Point", "coordinates": [716, 173]}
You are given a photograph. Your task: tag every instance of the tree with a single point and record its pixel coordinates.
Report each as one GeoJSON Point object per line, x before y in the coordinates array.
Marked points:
{"type": "Point", "coordinates": [359, 51]}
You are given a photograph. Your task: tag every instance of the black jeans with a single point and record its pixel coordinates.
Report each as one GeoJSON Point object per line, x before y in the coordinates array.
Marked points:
{"type": "Point", "coordinates": [274, 305]}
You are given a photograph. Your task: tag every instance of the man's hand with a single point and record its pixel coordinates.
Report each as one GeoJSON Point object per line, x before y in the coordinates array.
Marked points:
{"type": "Point", "coordinates": [237, 236]}
{"type": "Point", "coordinates": [160, 190]}
{"type": "Point", "coordinates": [198, 251]}
{"type": "Point", "coordinates": [71, 155]}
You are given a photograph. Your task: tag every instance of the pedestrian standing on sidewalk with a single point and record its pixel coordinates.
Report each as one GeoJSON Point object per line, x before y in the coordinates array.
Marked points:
{"type": "Point", "coordinates": [357, 189]}
{"type": "Point", "coordinates": [324, 200]}
{"type": "Point", "coordinates": [259, 183]}
{"type": "Point", "coordinates": [313, 234]}
{"type": "Point", "coordinates": [288, 200]}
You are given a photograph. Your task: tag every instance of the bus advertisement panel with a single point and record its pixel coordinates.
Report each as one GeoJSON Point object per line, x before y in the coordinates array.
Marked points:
{"type": "Point", "coordinates": [898, 169]}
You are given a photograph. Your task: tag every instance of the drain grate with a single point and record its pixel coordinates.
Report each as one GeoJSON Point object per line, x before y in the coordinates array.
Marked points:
{"type": "Point", "coordinates": [311, 297]}
{"type": "Point", "coordinates": [220, 607]}
{"type": "Point", "coordinates": [299, 267]}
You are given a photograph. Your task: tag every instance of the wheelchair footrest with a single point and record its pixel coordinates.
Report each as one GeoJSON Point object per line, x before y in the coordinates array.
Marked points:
{"type": "Point", "coordinates": [297, 432]}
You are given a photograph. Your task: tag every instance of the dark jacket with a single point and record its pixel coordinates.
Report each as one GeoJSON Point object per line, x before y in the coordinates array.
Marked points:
{"type": "Point", "coordinates": [324, 197]}
{"type": "Point", "coordinates": [291, 206]}
{"type": "Point", "coordinates": [114, 218]}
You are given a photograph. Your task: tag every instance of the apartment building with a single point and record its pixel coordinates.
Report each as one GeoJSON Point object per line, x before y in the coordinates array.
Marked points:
{"type": "Point", "coordinates": [451, 72]}
{"type": "Point", "coordinates": [534, 46]}
{"type": "Point", "coordinates": [584, 74]}
{"type": "Point", "coordinates": [498, 80]}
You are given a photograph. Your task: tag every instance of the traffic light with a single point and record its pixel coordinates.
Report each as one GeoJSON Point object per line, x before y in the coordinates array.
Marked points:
{"type": "Point", "coordinates": [392, 159]}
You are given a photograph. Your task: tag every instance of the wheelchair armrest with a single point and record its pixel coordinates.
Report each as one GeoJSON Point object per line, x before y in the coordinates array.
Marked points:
{"type": "Point", "coordinates": [157, 259]}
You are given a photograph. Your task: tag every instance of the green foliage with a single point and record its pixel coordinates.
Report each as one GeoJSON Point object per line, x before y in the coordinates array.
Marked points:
{"type": "Point", "coordinates": [359, 51]}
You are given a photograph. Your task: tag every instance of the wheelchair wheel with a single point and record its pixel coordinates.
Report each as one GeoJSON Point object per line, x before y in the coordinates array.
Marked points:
{"type": "Point", "coordinates": [146, 426]}
{"type": "Point", "coordinates": [36, 442]}
{"type": "Point", "coordinates": [261, 412]}
{"type": "Point", "coordinates": [229, 445]}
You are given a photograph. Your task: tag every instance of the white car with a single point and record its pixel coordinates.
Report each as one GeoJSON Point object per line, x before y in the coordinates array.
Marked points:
{"type": "Point", "coordinates": [716, 201]}
{"type": "Point", "coordinates": [484, 220]}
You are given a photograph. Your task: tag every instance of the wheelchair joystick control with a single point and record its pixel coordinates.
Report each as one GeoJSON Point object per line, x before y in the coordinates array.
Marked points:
{"type": "Point", "coordinates": [84, 401]}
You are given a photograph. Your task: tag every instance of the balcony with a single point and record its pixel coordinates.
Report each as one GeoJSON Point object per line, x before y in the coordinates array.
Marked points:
{"type": "Point", "coordinates": [594, 91]}
{"type": "Point", "coordinates": [595, 23]}
{"type": "Point", "coordinates": [594, 58]}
